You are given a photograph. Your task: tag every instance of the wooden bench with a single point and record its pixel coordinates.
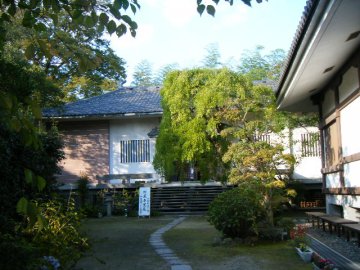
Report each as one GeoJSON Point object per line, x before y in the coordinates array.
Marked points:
{"type": "Point", "coordinates": [335, 221]}
{"type": "Point", "coordinates": [315, 216]}
{"type": "Point", "coordinates": [355, 227]}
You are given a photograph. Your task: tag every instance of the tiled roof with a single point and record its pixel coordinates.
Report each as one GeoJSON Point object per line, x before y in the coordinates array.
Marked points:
{"type": "Point", "coordinates": [267, 82]}
{"type": "Point", "coordinates": [299, 34]}
{"type": "Point", "coordinates": [116, 103]}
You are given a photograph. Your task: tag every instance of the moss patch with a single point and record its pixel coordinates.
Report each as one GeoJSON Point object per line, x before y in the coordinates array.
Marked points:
{"type": "Point", "coordinates": [193, 241]}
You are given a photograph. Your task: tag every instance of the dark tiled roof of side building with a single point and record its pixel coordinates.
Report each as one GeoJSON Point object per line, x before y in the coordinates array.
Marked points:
{"type": "Point", "coordinates": [126, 100]}
{"type": "Point", "coordinates": [267, 82]}
{"type": "Point", "coordinates": [298, 37]}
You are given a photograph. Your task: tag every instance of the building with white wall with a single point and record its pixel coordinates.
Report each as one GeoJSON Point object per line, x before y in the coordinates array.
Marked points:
{"type": "Point", "coordinates": [111, 137]}
{"type": "Point", "coordinates": [322, 75]}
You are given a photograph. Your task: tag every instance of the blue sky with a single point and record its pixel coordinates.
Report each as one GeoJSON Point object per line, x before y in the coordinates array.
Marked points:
{"type": "Point", "coordinates": [171, 31]}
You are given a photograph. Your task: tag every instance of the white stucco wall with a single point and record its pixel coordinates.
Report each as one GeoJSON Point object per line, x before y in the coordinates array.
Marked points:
{"type": "Point", "coordinates": [350, 133]}
{"type": "Point", "coordinates": [349, 204]}
{"type": "Point", "coordinates": [306, 167]}
{"type": "Point", "coordinates": [131, 129]}
{"type": "Point", "coordinates": [333, 180]}
{"type": "Point", "coordinates": [352, 174]}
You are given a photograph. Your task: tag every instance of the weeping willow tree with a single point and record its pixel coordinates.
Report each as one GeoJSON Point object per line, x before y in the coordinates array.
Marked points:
{"type": "Point", "coordinates": [215, 119]}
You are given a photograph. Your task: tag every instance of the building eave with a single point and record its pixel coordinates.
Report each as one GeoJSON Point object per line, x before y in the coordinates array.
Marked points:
{"type": "Point", "coordinates": [320, 50]}
{"type": "Point", "coordinates": [103, 116]}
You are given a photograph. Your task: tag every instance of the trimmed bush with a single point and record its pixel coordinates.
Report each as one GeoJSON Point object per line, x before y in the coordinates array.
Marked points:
{"type": "Point", "coordinates": [235, 212]}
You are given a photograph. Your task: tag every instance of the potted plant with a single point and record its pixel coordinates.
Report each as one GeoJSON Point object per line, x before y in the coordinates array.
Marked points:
{"type": "Point", "coordinates": [301, 242]}
{"type": "Point", "coordinates": [319, 263]}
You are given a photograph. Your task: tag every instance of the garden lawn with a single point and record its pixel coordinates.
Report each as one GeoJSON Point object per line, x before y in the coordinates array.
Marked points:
{"type": "Point", "coordinates": [193, 241]}
{"type": "Point", "coordinates": [122, 243]}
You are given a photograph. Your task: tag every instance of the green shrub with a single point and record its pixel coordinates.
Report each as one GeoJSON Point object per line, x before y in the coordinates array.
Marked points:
{"type": "Point", "coordinates": [122, 202]}
{"type": "Point", "coordinates": [286, 223]}
{"type": "Point", "coordinates": [17, 253]}
{"type": "Point", "coordinates": [235, 212]}
{"type": "Point", "coordinates": [126, 203]}
{"type": "Point", "coordinates": [82, 189]}
{"type": "Point", "coordinates": [91, 211]}
{"type": "Point", "coordinates": [60, 236]}
{"type": "Point", "coordinates": [15, 155]}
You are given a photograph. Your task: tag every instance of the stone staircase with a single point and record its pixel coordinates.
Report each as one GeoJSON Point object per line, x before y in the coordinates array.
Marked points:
{"type": "Point", "coordinates": [184, 199]}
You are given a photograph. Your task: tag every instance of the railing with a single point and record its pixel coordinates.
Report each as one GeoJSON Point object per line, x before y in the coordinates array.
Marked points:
{"type": "Point", "coordinates": [310, 144]}
{"type": "Point", "coordinates": [310, 204]}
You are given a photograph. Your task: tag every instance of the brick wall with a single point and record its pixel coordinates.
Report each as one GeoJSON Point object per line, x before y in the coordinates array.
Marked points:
{"type": "Point", "coordinates": [86, 149]}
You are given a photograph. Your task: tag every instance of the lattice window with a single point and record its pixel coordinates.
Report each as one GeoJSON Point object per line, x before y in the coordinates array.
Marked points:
{"type": "Point", "coordinates": [310, 145]}
{"type": "Point", "coordinates": [262, 138]}
{"type": "Point", "coordinates": [133, 151]}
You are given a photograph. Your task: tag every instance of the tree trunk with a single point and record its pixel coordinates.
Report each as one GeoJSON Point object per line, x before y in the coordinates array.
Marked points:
{"type": "Point", "coordinates": [269, 214]}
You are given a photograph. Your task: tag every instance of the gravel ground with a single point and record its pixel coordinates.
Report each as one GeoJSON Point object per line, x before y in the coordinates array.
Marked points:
{"type": "Point", "coordinates": [349, 249]}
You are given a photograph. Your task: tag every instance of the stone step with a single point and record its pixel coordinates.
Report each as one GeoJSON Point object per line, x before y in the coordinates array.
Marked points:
{"type": "Point", "coordinates": [184, 199]}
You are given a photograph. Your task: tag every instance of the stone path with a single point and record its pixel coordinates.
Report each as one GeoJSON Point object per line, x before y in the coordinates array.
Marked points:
{"type": "Point", "coordinates": [164, 251]}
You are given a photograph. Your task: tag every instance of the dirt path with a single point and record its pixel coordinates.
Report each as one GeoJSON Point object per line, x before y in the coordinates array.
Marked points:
{"type": "Point", "coordinates": [122, 243]}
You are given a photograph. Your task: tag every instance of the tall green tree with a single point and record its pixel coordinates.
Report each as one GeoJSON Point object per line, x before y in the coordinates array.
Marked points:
{"type": "Point", "coordinates": [258, 66]}
{"type": "Point", "coordinates": [214, 119]}
{"type": "Point", "coordinates": [82, 64]}
{"type": "Point", "coordinates": [212, 58]}
{"type": "Point", "coordinates": [27, 158]}
{"type": "Point", "coordinates": [29, 155]}
{"type": "Point", "coordinates": [161, 74]}
{"type": "Point", "coordinates": [143, 74]}
{"type": "Point", "coordinates": [189, 130]}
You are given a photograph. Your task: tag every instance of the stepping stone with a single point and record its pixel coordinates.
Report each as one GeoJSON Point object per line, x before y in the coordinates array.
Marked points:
{"type": "Point", "coordinates": [181, 267]}
{"type": "Point", "coordinates": [164, 251]}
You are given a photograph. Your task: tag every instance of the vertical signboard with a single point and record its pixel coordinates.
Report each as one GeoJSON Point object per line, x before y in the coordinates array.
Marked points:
{"type": "Point", "coordinates": [144, 201]}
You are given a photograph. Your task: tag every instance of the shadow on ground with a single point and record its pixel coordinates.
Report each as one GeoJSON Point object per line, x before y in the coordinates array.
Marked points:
{"type": "Point", "coordinates": [122, 243]}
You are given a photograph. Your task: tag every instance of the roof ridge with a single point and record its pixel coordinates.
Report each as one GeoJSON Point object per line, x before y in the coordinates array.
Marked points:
{"type": "Point", "coordinates": [140, 88]}
{"type": "Point", "coordinates": [143, 100]}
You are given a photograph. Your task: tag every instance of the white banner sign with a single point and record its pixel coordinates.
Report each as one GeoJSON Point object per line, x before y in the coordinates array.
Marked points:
{"type": "Point", "coordinates": [144, 201]}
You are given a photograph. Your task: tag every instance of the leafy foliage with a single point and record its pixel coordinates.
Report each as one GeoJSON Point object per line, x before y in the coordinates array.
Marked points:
{"type": "Point", "coordinates": [60, 235]}
{"type": "Point", "coordinates": [161, 74]}
{"type": "Point", "coordinates": [235, 213]}
{"type": "Point", "coordinates": [215, 119]}
{"type": "Point", "coordinates": [210, 9]}
{"type": "Point", "coordinates": [212, 57]}
{"type": "Point", "coordinates": [299, 237]}
{"type": "Point", "coordinates": [18, 182]}
{"type": "Point", "coordinates": [126, 203]}
{"type": "Point", "coordinates": [265, 166]}
{"type": "Point", "coordinates": [44, 45]}
{"type": "Point", "coordinates": [29, 159]}
{"type": "Point", "coordinates": [191, 124]}
{"type": "Point", "coordinates": [17, 253]}
{"type": "Point", "coordinates": [143, 74]}
{"type": "Point", "coordinates": [81, 63]}
{"type": "Point", "coordinates": [82, 189]}
{"type": "Point", "coordinates": [204, 112]}
{"type": "Point", "coordinates": [103, 16]}
{"type": "Point", "coordinates": [258, 66]}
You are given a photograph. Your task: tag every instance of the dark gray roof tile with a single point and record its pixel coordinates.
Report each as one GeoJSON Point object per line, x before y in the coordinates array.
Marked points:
{"type": "Point", "coordinates": [299, 35]}
{"type": "Point", "coordinates": [120, 102]}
